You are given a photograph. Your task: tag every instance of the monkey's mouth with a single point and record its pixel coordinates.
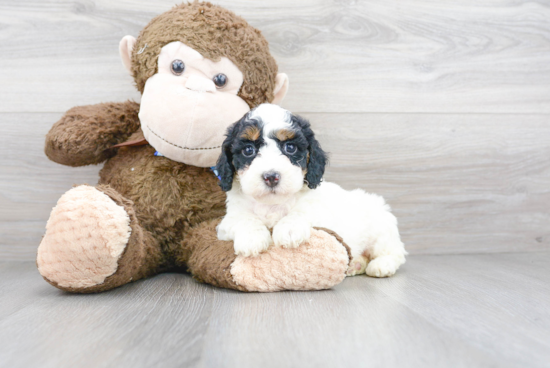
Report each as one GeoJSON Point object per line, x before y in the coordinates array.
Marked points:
{"type": "Point", "coordinates": [181, 147]}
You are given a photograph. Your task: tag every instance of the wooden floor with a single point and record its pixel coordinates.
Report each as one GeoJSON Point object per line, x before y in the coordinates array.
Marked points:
{"type": "Point", "coordinates": [438, 311]}
{"type": "Point", "coordinates": [442, 107]}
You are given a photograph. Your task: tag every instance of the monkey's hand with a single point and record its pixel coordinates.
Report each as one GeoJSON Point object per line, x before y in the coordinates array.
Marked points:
{"type": "Point", "coordinates": [85, 134]}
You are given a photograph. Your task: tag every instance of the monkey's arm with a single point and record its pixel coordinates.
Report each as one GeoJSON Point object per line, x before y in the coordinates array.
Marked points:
{"type": "Point", "coordinates": [85, 134]}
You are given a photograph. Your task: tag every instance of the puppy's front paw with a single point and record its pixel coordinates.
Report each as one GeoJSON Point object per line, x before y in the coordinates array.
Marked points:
{"type": "Point", "coordinates": [383, 266]}
{"type": "Point", "coordinates": [252, 241]}
{"type": "Point", "coordinates": [290, 233]}
{"type": "Point", "coordinates": [224, 231]}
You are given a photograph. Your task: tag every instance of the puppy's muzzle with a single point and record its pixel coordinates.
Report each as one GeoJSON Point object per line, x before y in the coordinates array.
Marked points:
{"type": "Point", "coordinates": [271, 178]}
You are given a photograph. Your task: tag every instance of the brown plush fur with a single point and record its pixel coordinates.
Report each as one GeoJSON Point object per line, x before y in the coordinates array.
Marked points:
{"type": "Point", "coordinates": [169, 197]}
{"type": "Point", "coordinates": [214, 32]}
{"type": "Point", "coordinates": [208, 258]}
{"type": "Point", "coordinates": [85, 134]}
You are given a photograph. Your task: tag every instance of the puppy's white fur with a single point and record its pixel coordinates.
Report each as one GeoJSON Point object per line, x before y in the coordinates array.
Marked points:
{"type": "Point", "coordinates": [291, 209]}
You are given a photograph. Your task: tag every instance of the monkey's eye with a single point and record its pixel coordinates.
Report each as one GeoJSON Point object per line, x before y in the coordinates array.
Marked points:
{"type": "Point", "coordinates": [290, 148]}
{"type": "Point", "coordinates": [177, 67]}
{"type": "Point", "coordinates": [220, 80]}
{"type": "Point", "coordinates": [249, 151]}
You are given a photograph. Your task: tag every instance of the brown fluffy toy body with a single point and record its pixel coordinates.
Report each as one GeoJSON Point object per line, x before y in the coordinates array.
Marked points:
{"type": "Point", "coordinates": [199, 68]}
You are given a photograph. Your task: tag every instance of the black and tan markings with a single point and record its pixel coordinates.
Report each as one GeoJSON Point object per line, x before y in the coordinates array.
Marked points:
{"type": "Point", "coordinates": [244, 134]}
{"type": "Point", "coordinates": [245, 138]}
{"type": "Point", "coordinates": [284, 134]}
{"type": "Point", "coordinates": [251, 133]}
{"type": "Point", "coordinates": [292, 144]}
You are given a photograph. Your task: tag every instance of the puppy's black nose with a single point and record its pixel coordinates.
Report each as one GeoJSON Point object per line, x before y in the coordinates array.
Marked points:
{"type": "Point", "coordinates": [271, 178]}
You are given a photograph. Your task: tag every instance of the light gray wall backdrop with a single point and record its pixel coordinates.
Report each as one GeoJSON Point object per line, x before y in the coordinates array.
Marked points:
{"type": "Point", "coordinates": [441, 106]}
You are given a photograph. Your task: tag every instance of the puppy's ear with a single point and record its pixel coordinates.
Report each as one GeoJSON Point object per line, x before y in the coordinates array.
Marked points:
{"type": "Point", "coordinates": [225, 170]}
{"type": "Point", "coordinates": [316, 166]}
{"type": "Point", "coordinates": [224, 166]}
{"type": "Point", "coordinates": [317, 158]}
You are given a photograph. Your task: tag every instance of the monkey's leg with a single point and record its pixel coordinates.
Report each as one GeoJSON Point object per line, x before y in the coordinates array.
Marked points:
{"type": "Point", "coordinates": [93, 242]}
{"type": "Point", "coordinates": [319, 263]}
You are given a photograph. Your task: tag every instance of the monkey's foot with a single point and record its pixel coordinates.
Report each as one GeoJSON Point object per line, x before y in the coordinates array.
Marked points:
{"type": "Point", "coordinates": [85, 236]}
{"type": "Point", "coordinates": [319, 263]}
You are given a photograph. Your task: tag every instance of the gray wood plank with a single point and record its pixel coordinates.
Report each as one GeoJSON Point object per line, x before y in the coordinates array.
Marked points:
{"type": "Point", "coordinates": [353, 325]}
{"type": "Point", "coordinates": [497, 302]}
{"type": "Point", "coordinates": [439, 310]}
{"type": "Point", "coordinates": [21, 285]}
{"type": "Point", "coordinates": [159, 322]}
{"type": "Point", "coordinates": [345, 56]}
{"type": "Point", "coordinates": [459, 183]}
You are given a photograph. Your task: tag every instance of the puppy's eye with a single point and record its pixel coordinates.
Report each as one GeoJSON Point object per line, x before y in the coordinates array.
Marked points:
{"type": "Point", "coordinates": [220, 80]}
{"type": "Point", "coordinates": [249, 151]}
{"type": "Point", "coordinates": [290, 148]}
{"type": "Point", "coordinates": [177, 67]}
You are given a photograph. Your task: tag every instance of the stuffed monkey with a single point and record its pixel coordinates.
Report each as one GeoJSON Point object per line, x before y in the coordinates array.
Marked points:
{"type": "Point", "coordinates": [199, 68]}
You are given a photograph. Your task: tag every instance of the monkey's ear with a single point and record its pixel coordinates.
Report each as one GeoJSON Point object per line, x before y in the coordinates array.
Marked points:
{"type": "Point", "coordinates": [125, 48]}
{"type": "Point", "coordinates": [316, 165]}
{"type": "Point", "coordinates": [281, 88]}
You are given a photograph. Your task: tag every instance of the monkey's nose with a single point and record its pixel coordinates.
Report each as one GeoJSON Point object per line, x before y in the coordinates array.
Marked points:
{"type": "Point", "coordinates": [200, 84]}
{"type": "Point", "coordinates": [271, 178]}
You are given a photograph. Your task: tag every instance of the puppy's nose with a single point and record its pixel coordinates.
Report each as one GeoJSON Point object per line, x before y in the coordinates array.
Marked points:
{"type": "Point", "coordinates": [271, 178]}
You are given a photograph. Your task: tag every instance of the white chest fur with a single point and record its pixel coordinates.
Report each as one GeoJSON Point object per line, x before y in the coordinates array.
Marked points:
{"type": "Point", "coordinates": [270, 214]}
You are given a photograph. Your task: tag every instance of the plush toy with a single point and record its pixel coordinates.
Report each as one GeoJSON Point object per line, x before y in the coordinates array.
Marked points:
{"type": "Point", "coordinates": [199, 68]}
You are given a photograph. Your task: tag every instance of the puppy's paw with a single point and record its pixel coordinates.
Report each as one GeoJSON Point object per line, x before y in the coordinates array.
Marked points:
{"type": "Point", "coordinates": [290, 233]}
{"type": "Point", "coordinates": [252, 241]}
{"type": "Point", "coordinates": [224, 231]}
{"type": "Point", "coordinates": [357, 266]}
{"type": "Point", "coordinates": [383, 266]}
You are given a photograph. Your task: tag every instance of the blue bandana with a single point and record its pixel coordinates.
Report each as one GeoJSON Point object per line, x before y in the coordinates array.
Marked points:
{"type": "Point", "coordinates": [213, 168]}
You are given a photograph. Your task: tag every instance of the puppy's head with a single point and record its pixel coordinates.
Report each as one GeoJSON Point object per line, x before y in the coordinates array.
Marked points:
{"type": "Point", "coordinates": [273, 153]}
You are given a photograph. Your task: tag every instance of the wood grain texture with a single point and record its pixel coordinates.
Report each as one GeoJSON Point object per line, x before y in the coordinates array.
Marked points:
{"type": "Point", "coordinates": [341, 56]}
{"type": "Point", "coordinates": [437, 311]}
{"type": "Point", "coordinates": [464, 183]}
{"type": "Point", "coordinates": [30, 184]}
{"type": "Point", "coordinates": [458, 182]}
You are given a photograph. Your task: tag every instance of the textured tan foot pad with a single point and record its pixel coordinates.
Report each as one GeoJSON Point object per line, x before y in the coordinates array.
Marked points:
{"type": "Point", "coordinates": [321, 263]}
{"type": "Point", "coordinates": [85, 236]}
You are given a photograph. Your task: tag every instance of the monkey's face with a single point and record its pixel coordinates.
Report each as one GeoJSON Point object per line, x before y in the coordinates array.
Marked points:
{"type": "Point", "coordinates": [187, 106]}
{"type": "Point", "coordinates": [188, 99]}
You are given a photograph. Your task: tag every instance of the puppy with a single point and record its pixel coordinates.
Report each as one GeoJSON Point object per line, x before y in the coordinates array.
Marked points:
{"type": "Point", "coordinates": [272, 167]}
